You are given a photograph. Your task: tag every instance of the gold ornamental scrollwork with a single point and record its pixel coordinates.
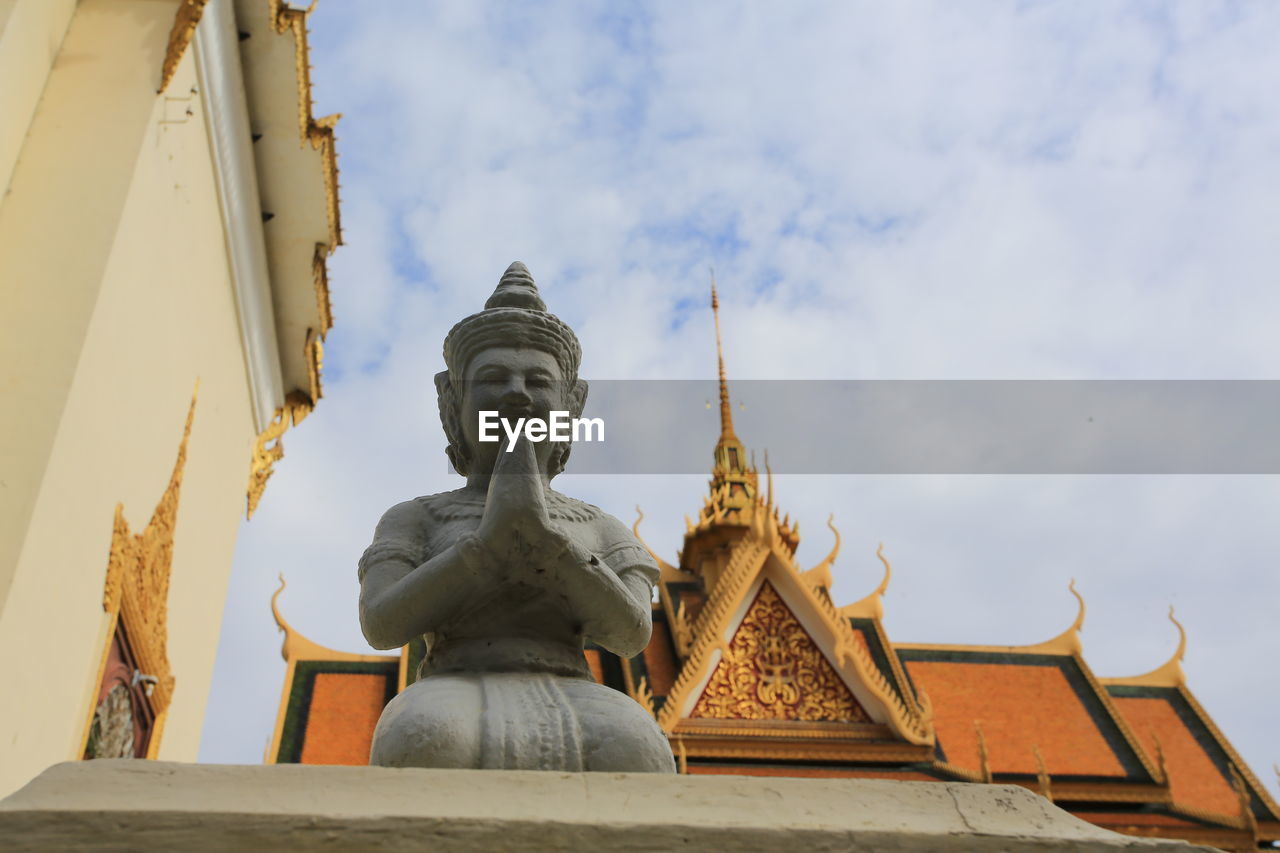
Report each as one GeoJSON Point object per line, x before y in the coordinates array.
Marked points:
{"type": "Point", "coordinates": [137, 582]}
{"type": "Point", "coordinates": [267, 449]}
{"type": "Point", "coordinates": [773, 670]}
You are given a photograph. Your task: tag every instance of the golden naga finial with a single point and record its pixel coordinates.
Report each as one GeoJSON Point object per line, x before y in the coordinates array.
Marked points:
{"type": "Point", "coordinates": [1077, 625]}
{"type": "Point", "coordinates": [872, 607]}
{"type": "Point", "coordinates": [820, 575]}
{"type": "Point", "coordinates": [667, 571]}
{"type": "Point", "coordinates": [726, 410]}
{"type": "Point", "coordinates": [1068, 642]}
{"type": "Point", "coordinates": [1167, 674]}
{"type": "Point", "coordinates": [285, 627]}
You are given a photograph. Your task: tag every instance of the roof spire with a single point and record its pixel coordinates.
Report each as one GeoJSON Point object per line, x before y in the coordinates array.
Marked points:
{"type": "Point", "coordinates": [726, 410]}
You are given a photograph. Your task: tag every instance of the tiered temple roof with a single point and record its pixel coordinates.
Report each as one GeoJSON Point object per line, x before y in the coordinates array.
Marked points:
{"type": "Point", "coordinates": [752, 669]}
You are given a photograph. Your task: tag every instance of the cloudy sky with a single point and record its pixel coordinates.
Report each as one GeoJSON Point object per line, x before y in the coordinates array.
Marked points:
{"type": "Point", "coordinates": [893, 190]}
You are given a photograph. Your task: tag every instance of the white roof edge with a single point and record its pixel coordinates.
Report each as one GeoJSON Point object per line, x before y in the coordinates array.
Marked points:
{"type": "Point", "coordinates": [226, 109]}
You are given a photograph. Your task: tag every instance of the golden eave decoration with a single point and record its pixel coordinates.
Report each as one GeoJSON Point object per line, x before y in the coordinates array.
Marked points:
{"type": "Point", "coordinates": [136, 590]}
{"type": "Point", "coordinates": [318, 134]}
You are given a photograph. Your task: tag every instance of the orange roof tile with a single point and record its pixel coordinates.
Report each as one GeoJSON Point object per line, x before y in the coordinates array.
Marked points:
{"type": "Point", "coordinates": [1193, 777]}
{"type": "Point", "coordinates": [344, 711]}
{"type": "Point", "coordinates": [1020, 707]}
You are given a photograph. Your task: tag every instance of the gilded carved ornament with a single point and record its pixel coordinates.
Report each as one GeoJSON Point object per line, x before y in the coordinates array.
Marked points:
{"type": "Point", "coordinates": [136, 590]}
{"type": "Point", "coordinates": [773, 670]}
{"type": "Point", "coordinates": [267, 448]}
{"type": "Point", "coordinates": [643, 695]}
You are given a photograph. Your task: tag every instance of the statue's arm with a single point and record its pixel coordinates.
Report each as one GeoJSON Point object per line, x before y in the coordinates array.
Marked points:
{"type": "Point", "coordinates": [401, 599]}
{"type": "Point", "coordinates": [612, 593]}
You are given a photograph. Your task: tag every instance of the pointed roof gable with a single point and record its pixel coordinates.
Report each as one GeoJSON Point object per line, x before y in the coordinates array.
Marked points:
{"type": "Point", "coordinates": [761, 557]}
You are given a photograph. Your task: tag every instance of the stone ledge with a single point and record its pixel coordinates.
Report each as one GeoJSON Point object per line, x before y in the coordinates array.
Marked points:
{"type": "Point", "coordinates": [131, 805]}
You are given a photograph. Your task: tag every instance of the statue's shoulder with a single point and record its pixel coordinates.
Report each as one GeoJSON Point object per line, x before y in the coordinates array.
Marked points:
{"type": "Point", "coordinates": [613, 541]}
{"type": "Point", "coordinates": [443, 507]}
{"type": "Point", "coordinates": [565, 508]}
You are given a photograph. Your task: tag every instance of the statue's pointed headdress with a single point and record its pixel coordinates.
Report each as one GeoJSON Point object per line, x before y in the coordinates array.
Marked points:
{"type": "Point", "coordinates": [514, 316]}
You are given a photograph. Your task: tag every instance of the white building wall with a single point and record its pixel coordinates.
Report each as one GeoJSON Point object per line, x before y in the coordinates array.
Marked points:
{"type": "Point", "coordinates": [115, 297]}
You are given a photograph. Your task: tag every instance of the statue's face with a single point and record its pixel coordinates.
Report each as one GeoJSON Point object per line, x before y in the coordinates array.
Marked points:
{"type": "Point", "coordinates": [517, 383]}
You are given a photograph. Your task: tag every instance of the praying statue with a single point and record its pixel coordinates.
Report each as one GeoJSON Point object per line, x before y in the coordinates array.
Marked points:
{"type": "Point", "coordinates": [506, 578]}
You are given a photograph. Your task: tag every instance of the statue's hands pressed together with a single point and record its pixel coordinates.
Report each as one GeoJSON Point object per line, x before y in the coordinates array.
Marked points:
{"type": "Point", "coordinates": [516, 525]}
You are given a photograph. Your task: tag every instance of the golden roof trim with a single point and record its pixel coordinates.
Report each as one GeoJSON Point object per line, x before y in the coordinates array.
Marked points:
{"type": "Point", "coordinates": [1208, 815]}
{"type": "Point", "coordinates": [959, 772]}
{"type": "Point", "coordinates": [784, 729]}
{"type": "Point", "coordinates": [316, 131]}
{"type": "Point", "coordinates": [752, 747]}
{"type": "Point", "coordinates": [184, 29]}
{"type": "Point", "coordinates": [319, 134]}
{"type": "Point", "coordinates": [1097, 792]}
{"type": "Point", "coordinates": [298, 647]}
{"type": "Point", "coordinates": [1167, 674]}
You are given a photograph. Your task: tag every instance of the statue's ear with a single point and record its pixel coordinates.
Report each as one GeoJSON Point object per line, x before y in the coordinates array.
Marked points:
{"type": "Point", "coordinates": [578, 397]}
{"type": "Point", "coordinates": [443, 385]}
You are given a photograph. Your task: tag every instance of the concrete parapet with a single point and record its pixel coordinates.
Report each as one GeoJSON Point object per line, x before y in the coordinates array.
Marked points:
{"type": "Point", "coordinates": [132, 805]}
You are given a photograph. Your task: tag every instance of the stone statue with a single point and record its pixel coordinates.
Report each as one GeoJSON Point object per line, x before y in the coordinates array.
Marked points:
{"type": "Point", "coordinates": [506, 578]}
